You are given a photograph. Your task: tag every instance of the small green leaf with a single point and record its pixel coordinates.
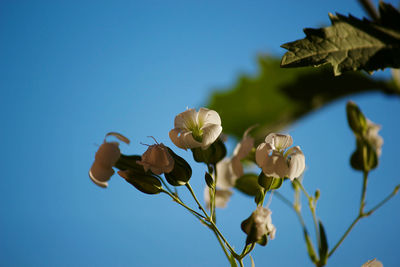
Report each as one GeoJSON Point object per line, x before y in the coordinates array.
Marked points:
{"type": "Point", "coordinates": [209, 180]}
{"type": "Point", "coordinates": [323, 249]}
{"type": "Point", "coordinates": [310, 247]}
{"type": "Point", "coordinates": [248, 184]}
{"type": "Point", "coordinates": [349, 44]}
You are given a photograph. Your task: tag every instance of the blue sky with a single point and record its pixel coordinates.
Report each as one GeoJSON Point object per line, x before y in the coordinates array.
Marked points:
{"type": "Point", "coordinates": [71, 71]}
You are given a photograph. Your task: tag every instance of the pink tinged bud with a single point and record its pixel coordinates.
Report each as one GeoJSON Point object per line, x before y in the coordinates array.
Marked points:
{"type": "Point", "coordinates": [157, 159]}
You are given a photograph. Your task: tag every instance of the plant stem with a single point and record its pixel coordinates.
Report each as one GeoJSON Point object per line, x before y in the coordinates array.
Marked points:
{"type": "Point", "coordinates": [222, 245]}
{"type": "Point", "coordinates": [394, 192]}
{"type": "Point", "coordinates": [195, 198]}
{"type": "Point", "coordinates": [177, 200]}
{"type": "Point", "coordinates": [344, 235]}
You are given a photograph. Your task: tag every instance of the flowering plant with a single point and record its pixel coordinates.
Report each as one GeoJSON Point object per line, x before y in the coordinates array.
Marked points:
{"type": "Point", "coordinates": [159, 168]}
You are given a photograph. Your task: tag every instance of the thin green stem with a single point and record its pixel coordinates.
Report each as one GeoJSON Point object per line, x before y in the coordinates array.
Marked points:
{"type": "Point", "coordinates": [247, 250]}
{"type": "Point", "coordinates": [312, 206]}
{"type": "Point", "coordinates": [241, 262]}
{"type": "Point", "coordinates": [165, 184]}
{"type": "Point", "coordinates": [177, 200]}
{"type": "Point", "coordinates": [215, 228]}
{"type": "Point", "coordinates": [222, 245]}
{"type": "Point", "coordinates": [394, 192]}
{"type": "Point", "coordinates": [344, 235]}
{"type": "Point", "coordinates": [195, 198]}
{"type": "Point", "coordinates": [363, 192]}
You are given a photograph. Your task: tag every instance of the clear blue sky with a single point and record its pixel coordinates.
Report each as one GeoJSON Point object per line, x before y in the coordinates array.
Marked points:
{"type": "Point", "coordinates": [71, 71]}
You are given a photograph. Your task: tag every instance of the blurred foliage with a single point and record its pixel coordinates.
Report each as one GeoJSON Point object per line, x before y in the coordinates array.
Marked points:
{"type": "Point", "coordinates": [277, 97]}
{"type": "Point", "coordinates": [350, 43]}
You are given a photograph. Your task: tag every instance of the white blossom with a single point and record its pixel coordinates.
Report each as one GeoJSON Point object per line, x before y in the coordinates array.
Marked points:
{"type": "Point", "coordinates": [196, 129]}
{"type": "Point", "coordinates": [373, 137]}
{"type": "Point", "coordinates": [275, 162]}
{"type": "Point", "coordinates": [157, 159]}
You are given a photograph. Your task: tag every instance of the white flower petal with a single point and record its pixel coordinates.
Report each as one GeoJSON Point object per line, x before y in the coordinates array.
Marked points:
{"type": "Point", "coordinates": [262, 152]}
{"type": "Point", "coordinates": [184, 118]}
{"type": "Point", "coordinates": [107, 154]}
{"type": "Point", "coordinates": [275, 166]}
{"type": "Point", "coordinates": [205, 116]}
{"type": "Point", "coordinates": [222, 197]}
{"type": "Point", "coordinates": [297, 162]}
{"type": "Point", "coordinates": [210, 134]}
{"type": "Point", "coordinates": [226, 176]}
{"type": "Point", "coordinates": [176, 137]}
{"type": "Point", "coordinates": [100, 174]}
{"type": "Point", "coordinates": [279, 141]}
{"type": "Point", "coordinates": [243, 148]}
{"type": "Point", "coordinates": [237, 167]}
{"type": "Point", "coordinates": [189, 141]}
{"type": "Point", "coordinates": [119, 137]}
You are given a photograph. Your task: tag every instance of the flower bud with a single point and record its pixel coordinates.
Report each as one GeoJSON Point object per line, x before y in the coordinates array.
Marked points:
{"type": "Point", "coordinates": [355, 118]}
{"type": "Point", "coordinates": [258, 225]}
{"type": "Point", "coordinates": [147, 184]}
{"type": "Point", "coordinates": [157, 159]}
{"type": "Point", "coordinates": [181, 173]}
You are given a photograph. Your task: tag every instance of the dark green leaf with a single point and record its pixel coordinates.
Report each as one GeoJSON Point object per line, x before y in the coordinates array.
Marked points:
{"type": "Point", "coordinates": [277, 97]}
{"type": "Point", "coordinates": [349, 44]}
{"type": "Point", "coordinates": [209, 180]}
{"type": "Point", "coordinates": [323, 249]}
{"type": "Point", "coordinates": [248, 184]}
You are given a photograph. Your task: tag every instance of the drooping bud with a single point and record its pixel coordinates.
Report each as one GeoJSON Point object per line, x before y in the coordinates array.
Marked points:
{"type": "Point", "coordinates": [355, 118]}
{"type": "Point", "coordinates": [157, 159]}
{"type": "Point", "coordinates": [147, 184]}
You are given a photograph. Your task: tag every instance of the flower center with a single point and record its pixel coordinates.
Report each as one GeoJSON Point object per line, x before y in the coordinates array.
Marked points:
{"type": "Point", "coordinates": [196, 130]}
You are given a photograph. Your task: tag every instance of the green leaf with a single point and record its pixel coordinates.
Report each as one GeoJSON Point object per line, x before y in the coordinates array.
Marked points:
{"type": "Point", "coordinates": [323, 249]}
{"type": "Point", "coordinates": [310, 247]}
{"type": "Point", "coordinates": [248, 184]}
{"type": "Point", "coordinates": [349, 44]}
{"type": "Point", "coordinates": [277, 97]}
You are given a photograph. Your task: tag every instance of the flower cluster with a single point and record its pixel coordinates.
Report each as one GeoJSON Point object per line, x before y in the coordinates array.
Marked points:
{"type": "Point", "coordinates": [200, 131]}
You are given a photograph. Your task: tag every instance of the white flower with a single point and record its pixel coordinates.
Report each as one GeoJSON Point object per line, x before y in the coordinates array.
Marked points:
{"type": "Point", "coordinates": [373, 137]}
{"type": "Point", "coordinates": [274, 162]}
{"type": "Point", "coordinates": [106, 157]}
{"type": "Point", "coordinates": [157, 159]}
{"type": "Point", "coordinates": [196, 129]}
{"type": "Point", "coordinates": [230, 169]}
{"type": "Point", "coordinates": [270, 227]}
{"type": "Point", "coordinates": [372, 263]}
